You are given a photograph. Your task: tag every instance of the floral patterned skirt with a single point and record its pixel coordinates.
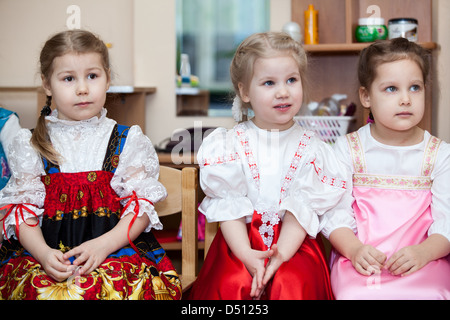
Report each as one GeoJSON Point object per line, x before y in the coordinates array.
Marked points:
{"type": "Point", "coordinates": [80, 207]}
{"type": "Point", "coordinates": [122, 276]}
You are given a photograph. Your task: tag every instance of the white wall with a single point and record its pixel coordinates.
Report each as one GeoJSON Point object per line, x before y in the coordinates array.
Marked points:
{"type": "Point", "coordinates": [280, 13]}
{"type": "Point", "coordinates": [26, 24]}
{"type": "Point", "coordinates": [441, 77]}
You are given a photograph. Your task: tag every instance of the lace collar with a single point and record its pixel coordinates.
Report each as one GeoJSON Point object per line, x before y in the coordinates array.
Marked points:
{"type": "Point", "coordinates": [53, 118]}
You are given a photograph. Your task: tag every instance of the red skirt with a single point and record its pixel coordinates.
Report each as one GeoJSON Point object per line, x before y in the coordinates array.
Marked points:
{"type": "Point", "coordinates": [224, 277]}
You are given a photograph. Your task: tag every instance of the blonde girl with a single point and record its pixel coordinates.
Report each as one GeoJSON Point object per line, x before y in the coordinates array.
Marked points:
{"type": "Point", "coordinates": [268, 182]}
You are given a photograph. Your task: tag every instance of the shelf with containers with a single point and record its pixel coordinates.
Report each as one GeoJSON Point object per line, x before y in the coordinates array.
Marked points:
{"type": "Point", "coordinates": [333, 62]}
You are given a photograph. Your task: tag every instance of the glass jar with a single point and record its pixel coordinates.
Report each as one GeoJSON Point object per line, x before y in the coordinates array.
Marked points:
{"type": "Point", "coordinates": [371, 29]}
{"type": "Point", "coordinates": [403, 28]}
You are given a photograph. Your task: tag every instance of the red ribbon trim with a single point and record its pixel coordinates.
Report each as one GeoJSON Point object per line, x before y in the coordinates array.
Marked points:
{"type": "Point", "coordinates": [133, 198]}
{"type": "Point", "coordinates": [18, 213]}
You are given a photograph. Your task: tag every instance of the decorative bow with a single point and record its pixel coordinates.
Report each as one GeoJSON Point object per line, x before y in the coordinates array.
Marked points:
{"type": "Point", "coordinates": [133, 198]}
{"type": "Point", "coordinates": [18, 213]}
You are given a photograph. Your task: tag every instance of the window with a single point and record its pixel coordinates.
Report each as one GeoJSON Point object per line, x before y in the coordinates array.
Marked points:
{"type": "Point", "coordinates": [209, 31]}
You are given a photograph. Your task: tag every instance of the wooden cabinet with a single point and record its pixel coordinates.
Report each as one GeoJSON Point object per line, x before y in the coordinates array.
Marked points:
{"type": "Point", "coordinates": [128, 107]}
{"type": "Point", "coordinates": [333, 62]}
{"type": "Point", "coordinates": [192, 102]}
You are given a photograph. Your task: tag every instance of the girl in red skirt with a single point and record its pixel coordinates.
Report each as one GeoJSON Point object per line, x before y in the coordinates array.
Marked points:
{"type": "Point", "coordinates": [78, 209]}
{"type": "Point", "coordinates": [269, 182]}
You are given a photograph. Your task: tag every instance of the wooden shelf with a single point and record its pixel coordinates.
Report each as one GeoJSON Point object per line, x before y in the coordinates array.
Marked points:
{"type": "Point", "coordinates": [131, 89]}
{"type": "Point", "coordinates": [333, 62]}
{"type": "Point", "coordinates": [126, 105]}
{"type": "Point", "coordinates": [192, 102]}
{"type": "Point", "coordinates": [176, 245]}
{"type": "Point", "coordinates": [351, 47]}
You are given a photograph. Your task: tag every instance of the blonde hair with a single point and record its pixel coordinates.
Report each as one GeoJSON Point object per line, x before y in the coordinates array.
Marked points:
{"type": "Point", "coordinates": [265, 45]}
{"type": "Point", "coordinates": [71, 41]}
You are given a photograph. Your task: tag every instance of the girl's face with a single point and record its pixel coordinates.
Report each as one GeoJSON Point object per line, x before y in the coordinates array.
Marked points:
{"type": "Point", "coordinates": [275, 92]}
{"type": "Point", "coordinates": [78, 86]}
{"type": "Point", "coordinates": [396, 97]}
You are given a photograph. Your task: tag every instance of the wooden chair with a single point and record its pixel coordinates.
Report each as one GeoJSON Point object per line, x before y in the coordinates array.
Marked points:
{"type": "Point", "coordinates": [182, 186]}
{"type": "Point", "coordinates": [183, 196]}
{"type": "Point", "coordinates": [210, 232]}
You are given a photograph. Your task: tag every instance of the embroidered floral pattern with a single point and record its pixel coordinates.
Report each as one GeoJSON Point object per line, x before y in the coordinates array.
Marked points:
{"type": "Point", "coordinates": [392, 182]}
{"type": "Point", "coordinates": [359, 163]}
{"type": "Point", "coordinates": [362, 179]}
{"type": "Point", "coordinates": [430, 156]}
{"type": "Point", "coordinates": [92, 176]}
{"type": "Point", "coordinates": [332, 181]}
{"type": "Point", "coordinates": [220, 160]}
{"type": "Point", "coordinates": [240, 131]}
{"type": "Point", "coordinates": [47, 180]}
{"type": "Point", "coordinates": [269, 217]}
{"type": "Point", "coordinates": [304, 141]}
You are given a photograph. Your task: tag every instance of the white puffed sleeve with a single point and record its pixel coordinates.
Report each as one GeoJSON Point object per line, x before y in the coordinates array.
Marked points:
{"type": "Point", "coordinates": [342, 215]}
{"type": "Point", "coordinates": [9, 131]}
{"type": "Point", "coordinates": [440, 205]}
{"type": "Point", "coordinates": [138, 172]}
{"type": "Point", "coordinates": [319, 186]}
{"type": "Point", "coordinates": [25, 187]}
{"type": "Point", "coordinates": [222, 178]}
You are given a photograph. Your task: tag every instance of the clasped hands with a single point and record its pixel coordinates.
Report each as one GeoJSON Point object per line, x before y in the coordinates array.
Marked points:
{"type": "Point", "coordinates": [368, 260]}
{"type": "Point", "coordinates": [262, 272]}
{"type": "Point", "coordinates": [80, 260]}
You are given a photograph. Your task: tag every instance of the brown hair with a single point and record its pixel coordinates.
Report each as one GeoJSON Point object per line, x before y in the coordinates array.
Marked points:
{"type": "Point", "coordinates": [265, 45]}
{"type": "Point", "coordinates": [71, 41]}
{"type": "Point", "coordinates": [389, 51]}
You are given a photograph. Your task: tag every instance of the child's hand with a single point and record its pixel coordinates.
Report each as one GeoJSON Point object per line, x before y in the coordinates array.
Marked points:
{"type": "Point", "coordinates": [254, 261]}
{"type": "Point", "coordinates": [55, 265]}
{"type": "Point", "coordinates": [367, 260]}
{"type": "Point", "coordinates": [406, 261]}
{"type": "Point", "coordinates": [89, 255]}
{"type": "Point", "coordinates": [276, 260]}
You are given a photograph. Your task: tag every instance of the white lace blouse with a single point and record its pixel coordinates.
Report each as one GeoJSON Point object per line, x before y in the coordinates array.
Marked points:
{"type": "Point", "coordinates": [405, 161]}
{"type": "Point", "coordinates": [82, 145]}
{"type": "Point", "coordinates": [317, 185]}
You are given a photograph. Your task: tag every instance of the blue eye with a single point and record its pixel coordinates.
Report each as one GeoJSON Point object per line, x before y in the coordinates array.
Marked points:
{"type": "Point", "coordinates": [292, 80]}
{"type": "Point", "coordinates": [269, 83]}
{"type": "Point", "coordinates": [391, 89]}
{"type": "Point", "coordinates": [416, 88]}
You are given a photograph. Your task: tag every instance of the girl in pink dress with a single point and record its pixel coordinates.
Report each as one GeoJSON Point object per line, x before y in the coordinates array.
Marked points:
{"type": "Point", "coordinates": [395, 244]}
